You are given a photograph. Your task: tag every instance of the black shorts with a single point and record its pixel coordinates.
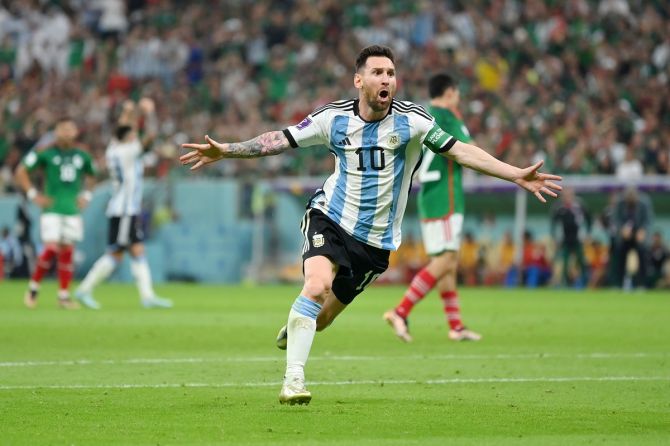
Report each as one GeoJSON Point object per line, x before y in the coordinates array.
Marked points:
{"type": "Point", "coordinates": [359, 263]}
{"type": "Point", "coordinates": [124, 231]}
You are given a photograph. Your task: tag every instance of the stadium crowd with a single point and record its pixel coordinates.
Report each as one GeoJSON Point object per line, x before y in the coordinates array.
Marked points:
{"type": "Point", "coordinates": [583, 84]}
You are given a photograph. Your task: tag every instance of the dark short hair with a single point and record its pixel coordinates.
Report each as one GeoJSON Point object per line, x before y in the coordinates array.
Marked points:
{"type": "Point", "coordinates": [372, 51]}
{"type": "Point", "coordinates": [439, 83]}
{"type": "Point", "coordinates": [121, 131]}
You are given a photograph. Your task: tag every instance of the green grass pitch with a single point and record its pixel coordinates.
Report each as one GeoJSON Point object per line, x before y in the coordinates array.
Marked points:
{"type": "Point", "coordinates": [555, 367]}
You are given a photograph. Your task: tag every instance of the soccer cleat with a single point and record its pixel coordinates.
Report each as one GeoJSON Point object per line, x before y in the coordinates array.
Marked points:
{"type": "Point", "coordinates": [463, 334]}
{"type": "Point", "coordinates": [399, 325]}
{"type": "Point", "coordinates": [282, 338]}
{"type": "Point", "coordinates": [156, 302]}
{"type": "Point", "coordinates": [294, 392]}
{"type": "Point", "coordinates": [67, 303]}
{"type": "Point", "coordinates": [86, 299]}
{"type": "Point", "coordinates": [30, 299]}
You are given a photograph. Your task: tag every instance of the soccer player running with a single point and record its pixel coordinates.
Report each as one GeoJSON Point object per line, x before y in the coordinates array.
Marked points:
{"type": "Point", "coordinates": [124, 161]}
{"type": "Point", "coordinates": [353, 222]}
{"type": "Point", "coordinates": [65, 167]}
{"type": "Point", "coordinates": [441, 206]}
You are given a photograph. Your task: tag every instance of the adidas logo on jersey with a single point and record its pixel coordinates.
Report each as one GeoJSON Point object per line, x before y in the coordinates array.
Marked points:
{"type": "Point", "coordinates": [344, 142]}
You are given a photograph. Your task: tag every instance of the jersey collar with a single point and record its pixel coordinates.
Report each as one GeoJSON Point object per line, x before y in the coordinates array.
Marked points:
{"type": "Point", "coordinates": [356, 111]}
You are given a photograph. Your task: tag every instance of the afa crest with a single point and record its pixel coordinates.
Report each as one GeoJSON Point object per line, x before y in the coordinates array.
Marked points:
{"type": "Point", "coordinates": [318, 240]}
{"type": "Point", "coordinates": [394, 140]}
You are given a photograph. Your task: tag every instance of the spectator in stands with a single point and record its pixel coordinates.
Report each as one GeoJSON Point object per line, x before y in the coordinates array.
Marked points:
{"type": "Point", "coordinates": [499, 260]}
{"type": "Point", "coordinates": [630, 169]}
{"type": "Point", "coordinates": [632, 217]}
{"type": "Point", "coordinates": [569, 79]}
{"type": "Point", "coordinates": [573, 222]}
{"type": "Point", "coordinates": [10, 253]}
{"type": "Point", "coordinates": [536, 270]}
{"type": "Point", "coordinates": [23, 230]}
{"type": "Point", "coordinates": [562, 76]}
{"type": "Point", "coordinates": [658, 262]}
{"type": "Point", "coordinates": [468, 260]}
{"type": "Point", "coordinates": [597, 258]}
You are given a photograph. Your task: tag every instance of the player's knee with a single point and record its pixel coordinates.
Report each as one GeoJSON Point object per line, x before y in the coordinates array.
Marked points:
{"type": "Point", "coordinates": [65, 249]}
{"type": "Point", "coordinates": [316, 287]}
{"type": "Point", "coordinates": [136, 250]}
{"type": "Point", "coordinates": [444, 264]}
{"type": "Point", "coordinates": [51, 245]}
{"type": "Point", "coordinates": [452, 266]}
{"type": "Point", "coordinates": [449, 262]}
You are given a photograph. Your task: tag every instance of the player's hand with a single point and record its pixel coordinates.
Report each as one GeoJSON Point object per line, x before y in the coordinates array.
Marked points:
{"type": "Point", "coordinates": [538, 183]}
{"type": "Point", "coordinates": [82, 202]}
{"type": "Point", "coordinates": [147, 106]}
{"type": "Point", "coordinates": [42, 201]}
{"type": "Point", "coordinates": [202, 154]}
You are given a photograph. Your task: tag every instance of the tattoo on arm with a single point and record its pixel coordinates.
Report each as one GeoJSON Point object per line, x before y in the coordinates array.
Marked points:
{"type": "Point", "coordinates": [270, 143]}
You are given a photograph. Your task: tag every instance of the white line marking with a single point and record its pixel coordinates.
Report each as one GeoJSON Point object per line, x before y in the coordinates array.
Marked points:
{"type": "Point", "coordinates": [557, 379]}
{"type": "Point", "coordinates": [331, 358]}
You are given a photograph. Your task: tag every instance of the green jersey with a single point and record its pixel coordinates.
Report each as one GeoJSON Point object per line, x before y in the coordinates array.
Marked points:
{"type": "Point", "coordinates": [441, 178]}
{"type": "Point", "coordinates": [64, 170]}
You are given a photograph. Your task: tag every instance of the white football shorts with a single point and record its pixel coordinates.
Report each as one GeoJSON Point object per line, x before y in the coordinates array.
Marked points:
{"type": "Point", "coordinates": [442, 234]}
{"type": "Point", "coordinates": [57, 228]}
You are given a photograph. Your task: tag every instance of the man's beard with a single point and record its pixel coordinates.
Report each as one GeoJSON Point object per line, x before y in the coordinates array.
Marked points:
{"type": "Point", "coordinates": [374, 104]}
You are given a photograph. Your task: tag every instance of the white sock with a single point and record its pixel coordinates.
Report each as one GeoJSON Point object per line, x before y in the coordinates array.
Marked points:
{"type": "Point", "coordinates": [301, 330]}
{"type": "Point", "coordinates": [142, 274]}
{"type": "Point", "coordinates": [100, 271]}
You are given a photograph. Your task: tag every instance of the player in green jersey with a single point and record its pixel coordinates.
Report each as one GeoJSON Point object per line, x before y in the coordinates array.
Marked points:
{"type": "Point", "coordinates": [64, 167]}
{"type": "Point", "coordinates": [441, 206]}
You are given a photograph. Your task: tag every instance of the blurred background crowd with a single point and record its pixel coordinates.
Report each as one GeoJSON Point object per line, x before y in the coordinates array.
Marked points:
{"type": "Point", "coordinates": [582, 84]}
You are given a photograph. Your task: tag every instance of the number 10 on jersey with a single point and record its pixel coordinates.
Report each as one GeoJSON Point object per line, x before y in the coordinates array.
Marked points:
{"type": "Point", "coordinates": [375, 158]}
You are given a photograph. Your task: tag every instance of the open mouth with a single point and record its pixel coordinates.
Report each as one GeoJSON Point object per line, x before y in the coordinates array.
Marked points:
{"type": "Point", "coordinates": [383, 94]}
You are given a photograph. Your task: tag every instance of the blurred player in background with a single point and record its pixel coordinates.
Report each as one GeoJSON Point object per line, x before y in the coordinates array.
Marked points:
{"type": "Point", "coordinates": [354, 221]}
{"type": "Point", "coordinates": [575, 224]}
{"type": "Point", "coordinates": [633, 218]}
{"type": "Point", "coordinates": [126, 168]}
{"type": "Point", "coordinates": [441, 206]}
{"type": "Point", "coordinates": [65, 167]}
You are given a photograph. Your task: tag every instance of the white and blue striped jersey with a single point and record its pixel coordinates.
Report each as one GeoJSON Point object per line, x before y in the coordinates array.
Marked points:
{"type": "Point", "coordinates": [375, 162]}
{"type": "Point", "coordinates": [126, 169]}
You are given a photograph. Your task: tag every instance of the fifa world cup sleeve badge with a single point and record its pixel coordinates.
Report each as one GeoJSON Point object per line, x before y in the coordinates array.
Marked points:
{"type": "Point", "coordinates": [318, 240]}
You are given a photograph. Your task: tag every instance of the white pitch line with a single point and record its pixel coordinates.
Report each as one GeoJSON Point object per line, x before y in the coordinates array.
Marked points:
{"type": "Point", "coordinates": [556, 379]}
{"type": "Point", "coordinates": [77, 362]}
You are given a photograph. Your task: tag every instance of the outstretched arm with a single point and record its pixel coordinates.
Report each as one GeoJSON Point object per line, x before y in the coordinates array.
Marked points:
{"type": "Point", "coordinates": [529, 178]}
{"type": "Point", "coordinates": [270, 143]}
{"type": "Point", "coordinates": [128, 114]}
{"type": "Point", "coordinates": [148, 109]}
